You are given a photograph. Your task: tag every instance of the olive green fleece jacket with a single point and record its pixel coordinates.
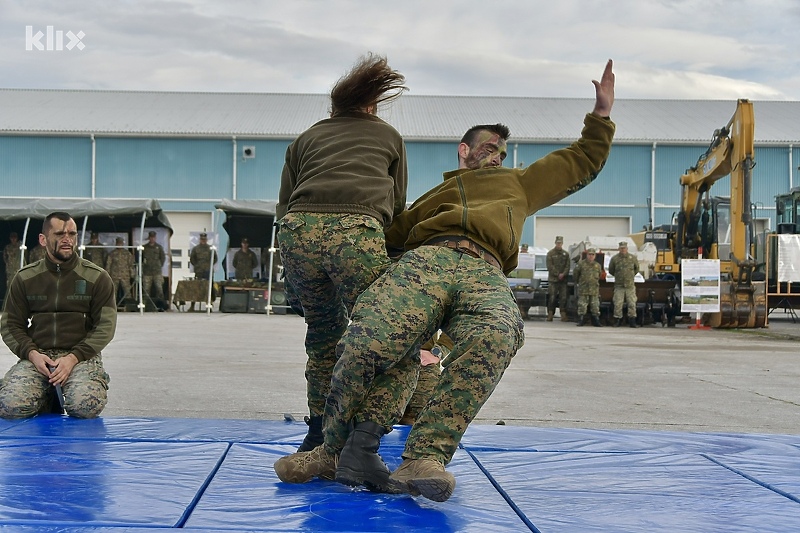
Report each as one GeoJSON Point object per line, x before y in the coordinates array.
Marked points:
{"type": "Point", "coordinates": [352, 163]}
{"type": "Point", "coordinates": [70, 306]}
{"type": "Point", "coordinates": [490, 205]}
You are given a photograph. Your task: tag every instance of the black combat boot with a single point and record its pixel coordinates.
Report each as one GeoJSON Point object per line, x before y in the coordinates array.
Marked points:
{"type": "Point", "coordinates": [596, 321]}
{"type": "Point", "coordinates": [360, 464]}
{"type": "Point", "coordinates": [632, 322]}
{"type": "Point", "coordinates": [314, 436]}
{"type": "Point", "coordinates": [617, 322]}
{"type": "Point", "coordinates": [582, 320]}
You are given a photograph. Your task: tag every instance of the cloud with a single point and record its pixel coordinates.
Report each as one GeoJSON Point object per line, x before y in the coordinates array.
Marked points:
{"type": "Point", "coordinates": [662, 48]}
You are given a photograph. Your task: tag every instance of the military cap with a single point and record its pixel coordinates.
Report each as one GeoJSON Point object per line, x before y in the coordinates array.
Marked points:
{"type": "Point", "coordinates": [120, 240]}
{"type": "Point", "coordinates": [204, 235]}
{"type": "Point", "coordinates": [244, 239]}
{"type": "Point", "coordinates": [623, 244]}
{"type": "Point", "coordinates": [560, 239]}
{"type": "Point", "coordinates": [13, 234]}
{"type": "Point", "coordinates": [591, 251]}
{"type": "Point", "coordinates": [152, 234]}
{"type": "Point", "coordinates": [95, 234]}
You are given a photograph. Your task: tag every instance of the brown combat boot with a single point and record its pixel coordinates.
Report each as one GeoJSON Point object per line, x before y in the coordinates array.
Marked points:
{"type": "Point", "coordinates": [564, 317]}
{"type": "Point", "coordinates": [550, 315]}
{"type": "Point", "coordinates": [426, 477]}
{"type": "Point", "coordinates": [301, 467]}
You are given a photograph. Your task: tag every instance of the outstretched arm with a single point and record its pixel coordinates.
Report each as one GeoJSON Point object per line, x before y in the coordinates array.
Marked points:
{"type": "Point", "coordinates": [604, 92]}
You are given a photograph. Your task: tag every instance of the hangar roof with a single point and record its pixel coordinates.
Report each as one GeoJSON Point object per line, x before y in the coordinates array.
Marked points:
{"type": "Point", "coordinates": [416, 117]}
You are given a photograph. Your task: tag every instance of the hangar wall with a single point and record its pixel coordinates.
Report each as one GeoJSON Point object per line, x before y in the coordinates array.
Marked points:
{"type": "Point", "coordinates": [189, 174]}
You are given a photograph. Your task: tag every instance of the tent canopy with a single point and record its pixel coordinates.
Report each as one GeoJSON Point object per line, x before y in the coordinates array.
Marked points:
{"type": "Point", "coordinates": [248, 218]}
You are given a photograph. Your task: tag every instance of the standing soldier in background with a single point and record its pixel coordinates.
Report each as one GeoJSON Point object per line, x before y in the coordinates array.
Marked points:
{"type": "Point", "coordinates": [244, 261]}
{"type": "Point", "coordinates": [11, 256]}
{"type": "Point", "coordinates": [557, 271]}
{"type": "Point", "coordinates": [201, 257]}
{"type": "Point", "coordinates": [121, 267]}
{"type": "Point", "coordinates": [37, 253]}
{"type": "Point", "coordinates": [587, 276]}
{"type": "Point", "coordinates": [153, 259]}
{"type": "Point", "coordinates": [624, 267]}
{"type": "Point", "coordinates": [95, 252]}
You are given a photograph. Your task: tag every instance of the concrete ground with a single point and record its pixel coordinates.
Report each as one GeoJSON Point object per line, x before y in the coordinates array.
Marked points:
{"type": "Point", "coordinates": [250, 366]}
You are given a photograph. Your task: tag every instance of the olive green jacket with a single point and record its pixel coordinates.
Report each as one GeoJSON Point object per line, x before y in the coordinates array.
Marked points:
{"type": "Point", "coordinates": [490, 205]}
{"type": "Point", "coordinates": [353, 163]}
{"type": "Point", "coordinates": [70, 306]}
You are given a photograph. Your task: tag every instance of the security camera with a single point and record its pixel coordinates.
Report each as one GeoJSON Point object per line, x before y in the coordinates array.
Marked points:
{"type": "Point", "coordinates": [249, 152]}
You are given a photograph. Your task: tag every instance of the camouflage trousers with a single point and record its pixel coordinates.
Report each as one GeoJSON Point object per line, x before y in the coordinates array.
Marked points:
{"type": "Point", "coordinates": [557, 291]}
{"type": "Point", "coordinates": [330, 259]}
{"type": "Point", "coordinates": [621, 294]}
{"type": "Point", "coordinates": [153, 281]}
{"type": "Point", "coordinates": [426, 382]}
{"type": "Point", "coordinates": [126, 289]}
{"type": "Point", "coordinates": [24, 392]}
{"type": "Point", "coordinates": [430, 288]}
{"type": "Point", "coordinates": [592, 301]}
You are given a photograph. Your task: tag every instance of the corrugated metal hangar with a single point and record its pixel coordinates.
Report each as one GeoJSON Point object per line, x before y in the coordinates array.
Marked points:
{"type": "Point", "coordinates": [190, 150]}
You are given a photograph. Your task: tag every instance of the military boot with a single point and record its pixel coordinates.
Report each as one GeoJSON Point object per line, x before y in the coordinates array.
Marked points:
{"type": "Point", "coordinates": [360, 464]}
{"type": "Point", "coordinates": [617, 322]}
{"type": "Point", "coordinates": [314, 436]}
{"type": "Point", "coordinates": [426, 477]}
{"type": "Point", "coordinates": [596, 321]}
{"type": "Point", "coordinates": [301, 467]}
{"type": "Point", "coordinates": [582, 320]}
{"type": "Point", "coordinates": [550, 315]}
{"type": "Point", "coordinates": [564, 317]}
{"type": "Point", "coordinates": [632, 322]}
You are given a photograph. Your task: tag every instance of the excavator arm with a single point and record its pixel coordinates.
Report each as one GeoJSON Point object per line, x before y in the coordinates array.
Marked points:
{"type": "Point", "coordinates": [731, 152]}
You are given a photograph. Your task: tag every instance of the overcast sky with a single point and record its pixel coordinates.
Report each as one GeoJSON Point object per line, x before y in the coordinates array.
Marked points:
{"type": "Point", "coordinates": [709, 49]}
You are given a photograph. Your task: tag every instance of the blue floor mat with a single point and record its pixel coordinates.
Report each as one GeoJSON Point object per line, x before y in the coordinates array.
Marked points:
{"type": "Point", "coordinates": [131, 475]}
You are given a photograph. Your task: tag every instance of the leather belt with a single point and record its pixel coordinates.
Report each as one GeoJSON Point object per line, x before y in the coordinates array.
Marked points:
{"type": "Point", "coordinates": [466, 246]}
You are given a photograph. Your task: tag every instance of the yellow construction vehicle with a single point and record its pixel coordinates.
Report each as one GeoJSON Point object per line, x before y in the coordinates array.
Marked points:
{"type": "Point", "coordinates": [720, 227]}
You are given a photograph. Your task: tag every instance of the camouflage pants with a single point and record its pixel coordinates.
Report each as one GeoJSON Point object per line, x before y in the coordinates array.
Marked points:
{"type": "Point", "coordinates": [430, 288]}
{"type": "Point", "coordinates": [126, 289]}
{"type": "Point", "coordinates": [621, 294]}
{"type": "Point", "coordinates": [330, 259]}
{"type": "Point", "coordinates": [153, 281]}
{"type": "Point", "coordinates": [426, 383]}
{"type": "Point", "coordinates": [592, 301]}
{"type": "Point", "coordinates": [557, 291]}
{"type": "Point", "coordinates": [24, 392]}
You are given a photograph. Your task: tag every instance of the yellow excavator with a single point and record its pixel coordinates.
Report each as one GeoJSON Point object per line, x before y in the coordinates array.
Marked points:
{"type": "Point", "coordinates": [720, 227]}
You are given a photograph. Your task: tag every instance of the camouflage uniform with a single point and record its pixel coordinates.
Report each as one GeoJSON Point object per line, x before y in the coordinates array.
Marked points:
{"type": "Point", "coordinates": [332, 258]}
{"type": "Point", "coordinates": [200, 258]}
{"type": "Point", "coordinates": [587, 281]}
{"type": "Point", "coordinates": [73, 308]}
{"type": "Point", "coordinates": [38, 252]}
{"type": "Point", "coordinates": [557, 263]}
{"type": "Point", "coordinates": [436, 287]}
{"type": "Point", "coordinates": [244, 263]}
{"type": "Point", "coordinates": [121, 267]}
{"type": "Point", "coordinates": [624, 268]}
{"type": "Point", "coordinates": [153, 259]}
{"type": "Point", "coordinates": [11, 256]}
{"type": "Point", "coordinates": [97, 256]}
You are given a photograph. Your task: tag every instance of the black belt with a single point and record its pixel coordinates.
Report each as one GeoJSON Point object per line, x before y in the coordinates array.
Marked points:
{"type": "Point", "coordinates": [466, 246]}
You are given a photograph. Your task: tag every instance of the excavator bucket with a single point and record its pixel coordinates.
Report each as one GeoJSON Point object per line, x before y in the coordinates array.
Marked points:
{"type": "Point", "coordinates": [740, 307]}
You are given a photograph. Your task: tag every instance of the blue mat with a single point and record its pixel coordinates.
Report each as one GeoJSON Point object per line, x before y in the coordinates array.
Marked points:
{"type": "Point", "coordinates": [136, 475]}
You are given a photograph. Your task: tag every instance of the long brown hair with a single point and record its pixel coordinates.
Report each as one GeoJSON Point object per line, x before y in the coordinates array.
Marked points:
{"type": "Point", "coordinates": [370, 82]}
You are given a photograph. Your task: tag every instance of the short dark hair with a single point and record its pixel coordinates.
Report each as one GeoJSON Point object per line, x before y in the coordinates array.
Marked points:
{"type": "Point", "coordinates": [60, 215]}
{"type": "Point", "coordinates": [500, 129]}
